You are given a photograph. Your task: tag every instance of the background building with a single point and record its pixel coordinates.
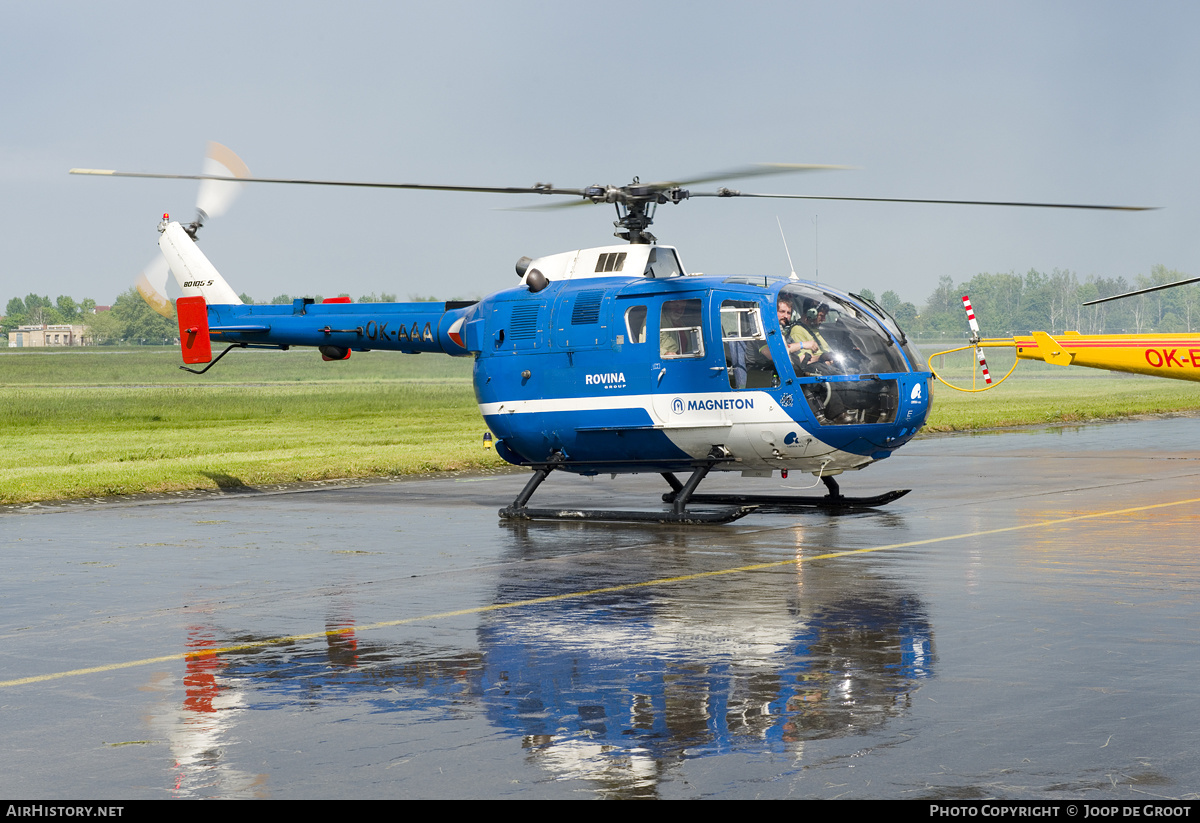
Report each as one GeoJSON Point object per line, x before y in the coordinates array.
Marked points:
{"type": "Point", "coordinates": [48, 335]}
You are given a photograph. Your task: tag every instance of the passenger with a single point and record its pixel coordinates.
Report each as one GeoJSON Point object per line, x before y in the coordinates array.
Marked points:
{"type": "Point", "coordinates": [677, 333]}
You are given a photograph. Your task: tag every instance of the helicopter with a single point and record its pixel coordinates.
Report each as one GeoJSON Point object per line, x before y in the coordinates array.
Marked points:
{"type": "Point", "coordinates": [1172, 355]}
{"type": "Point", "coordinates": [614, 359]}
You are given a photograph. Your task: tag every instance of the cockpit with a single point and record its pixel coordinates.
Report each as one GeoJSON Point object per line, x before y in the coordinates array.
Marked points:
{"type": "Point", "coordinates": [827, 335]}
{"type": "Point", "coordinates": [836, 352]}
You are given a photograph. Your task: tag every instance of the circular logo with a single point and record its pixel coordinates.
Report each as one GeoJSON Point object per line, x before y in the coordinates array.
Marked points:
{"type": "Point", "coordinates": [677, 405]}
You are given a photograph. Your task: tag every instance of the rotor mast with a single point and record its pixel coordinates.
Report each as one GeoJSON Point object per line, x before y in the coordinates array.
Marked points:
{"type": "Point", "coordinates": [636, 205]}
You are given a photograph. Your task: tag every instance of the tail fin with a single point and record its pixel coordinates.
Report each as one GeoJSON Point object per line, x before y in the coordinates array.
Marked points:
{"type": "Point", "coordinates": [193, 330]}
{"type": "Point", "coordinates": [193, 272]}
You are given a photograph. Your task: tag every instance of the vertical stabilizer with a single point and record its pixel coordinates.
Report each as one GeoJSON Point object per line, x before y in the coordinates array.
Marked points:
{"type": "Point", "coordinates": [193, 272]}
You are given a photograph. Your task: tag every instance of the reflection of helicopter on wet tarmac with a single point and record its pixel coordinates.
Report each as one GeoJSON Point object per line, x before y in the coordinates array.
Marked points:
{"type": "Point", "coordinates": [616, 691]}
{"type": "Point", "coordinates": [613, 359]}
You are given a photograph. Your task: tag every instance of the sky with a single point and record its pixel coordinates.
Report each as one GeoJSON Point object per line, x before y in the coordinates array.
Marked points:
{"type": "Point", "coordinates": [1082, 102]}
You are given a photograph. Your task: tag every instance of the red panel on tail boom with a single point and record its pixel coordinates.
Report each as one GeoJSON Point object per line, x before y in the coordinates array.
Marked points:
{"type": "Point", "coordinates": [192, 313]}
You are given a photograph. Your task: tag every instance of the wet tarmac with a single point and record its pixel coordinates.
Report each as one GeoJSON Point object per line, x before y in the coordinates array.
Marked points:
{"type": "Point", "coordinates": [1023, 625]}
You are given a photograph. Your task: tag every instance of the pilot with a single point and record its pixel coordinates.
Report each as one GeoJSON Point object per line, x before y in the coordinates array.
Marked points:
{"type": "Point", "coordinates": [805, 345]}
{"type": "Point", "coordinates": [793, 339]}
{"type": "Point", "coordinates": [807, 333]}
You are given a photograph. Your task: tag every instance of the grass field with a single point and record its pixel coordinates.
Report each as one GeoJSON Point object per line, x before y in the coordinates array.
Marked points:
{"type": "Point", "coordinates": [91, 423]}
{"type": "Point", "coordinates": [94, 422]}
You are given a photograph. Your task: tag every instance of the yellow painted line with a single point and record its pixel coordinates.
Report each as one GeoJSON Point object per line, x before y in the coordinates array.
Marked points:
{"type": "Point", "coordinates": [535, 601]}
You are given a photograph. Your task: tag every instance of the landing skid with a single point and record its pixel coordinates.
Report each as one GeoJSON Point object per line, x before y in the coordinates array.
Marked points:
{"type": "Point", "coordinates": [727, 515]}
{"type": "Point", "coordinates": [684, 494]}
{"type": "Point", "coordinates": [835, 501]}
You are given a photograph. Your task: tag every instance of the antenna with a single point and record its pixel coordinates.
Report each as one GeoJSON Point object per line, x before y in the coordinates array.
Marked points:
{"type": "Point", "coordinates": [816, 249]}
{"type": "Point", "coordinates": [785, 249]}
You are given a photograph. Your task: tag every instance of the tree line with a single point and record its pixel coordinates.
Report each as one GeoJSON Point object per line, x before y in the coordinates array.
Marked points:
{"type": "Point", "coordinates": [1006, 305]}
{"type": "Point", "coordinates": [1013, 304]}
{"type": "Point", "coordinates": [130, 321]}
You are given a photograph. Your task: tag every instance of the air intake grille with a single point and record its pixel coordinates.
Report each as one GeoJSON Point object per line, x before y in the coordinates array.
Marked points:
{"type": "Point", "coordinates": [587, 307]}
{"type": "Point", "coordinates": [524, 325]}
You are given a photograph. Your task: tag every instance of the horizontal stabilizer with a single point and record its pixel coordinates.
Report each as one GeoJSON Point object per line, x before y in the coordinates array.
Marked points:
{"type": "Point", "coordinates": [1051, 351]}
{"type": "Point", "coordinates": [240, 329]}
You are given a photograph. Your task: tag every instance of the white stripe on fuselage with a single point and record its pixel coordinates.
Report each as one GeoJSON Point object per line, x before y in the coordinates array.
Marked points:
{"type": "Point", "coordinates": [759, 432]}
{"type": "Point", "coordinates": [687, 410]}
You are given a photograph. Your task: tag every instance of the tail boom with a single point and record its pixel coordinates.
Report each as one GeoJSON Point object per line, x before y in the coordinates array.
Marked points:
{"type": "Point", "coordinates": [1175, 356]}
{"type": "Point", "coordinates": [404, 327]}
{"type": "Point", "coordinates": [211, 310]}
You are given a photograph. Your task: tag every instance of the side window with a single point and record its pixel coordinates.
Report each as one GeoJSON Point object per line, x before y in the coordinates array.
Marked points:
{"type": "Point", "coordinates": [747, 356]}
{"type": "Point", "coordinates": [681, 333]}
{"type": "Point", "coordinates": [635, 324]}
{"type": "Point", "coordinates": [611, 261]}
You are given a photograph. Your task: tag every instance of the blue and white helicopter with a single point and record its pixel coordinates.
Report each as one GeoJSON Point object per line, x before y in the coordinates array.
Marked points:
{"type": "Point", "coordinates": [613, 359]}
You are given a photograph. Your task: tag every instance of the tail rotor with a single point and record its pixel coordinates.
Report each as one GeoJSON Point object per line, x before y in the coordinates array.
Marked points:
{"type": "Point", "coordinates": [976, 344]}
{"type": "Point", "coordinates": [214, 199]}
{"type": "Point", "coordinates": [975, 338]}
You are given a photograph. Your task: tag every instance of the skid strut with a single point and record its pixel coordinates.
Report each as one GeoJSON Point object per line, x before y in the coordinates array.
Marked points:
{"type": "Point", "coordinates": [677, 514]}
{"type": "Point", "coordinates": [834, 501]}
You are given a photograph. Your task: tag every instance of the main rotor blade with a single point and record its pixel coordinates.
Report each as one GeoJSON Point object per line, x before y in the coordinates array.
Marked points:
{"type": "Point", "coordinates": [418, 186]}
{"type": "Point", "coordinates": [732, 193]}
{"type": "Point", "coordinates": [746, 171]}
{"type": "Point", "coordinates": [558, 204]}
{"type": "Point", "coordinates": [1143, 291]}
{"type": "Point", "coordinates": [756, 170]}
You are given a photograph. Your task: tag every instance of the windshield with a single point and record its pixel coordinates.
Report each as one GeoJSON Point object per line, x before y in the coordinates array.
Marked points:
{"type": "Point", "coordinates": [894, 328]}
{"type": "Point", "coordinates": [826, 334]}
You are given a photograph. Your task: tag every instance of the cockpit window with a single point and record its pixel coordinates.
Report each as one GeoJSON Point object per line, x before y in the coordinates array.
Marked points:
{"type": "Point", "coordinates": [826, 334]}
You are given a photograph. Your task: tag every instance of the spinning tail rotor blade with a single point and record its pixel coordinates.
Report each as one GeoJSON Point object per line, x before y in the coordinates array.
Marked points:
{"type": "Point", "coordinates": [216, 196]}
{"type": "Point", "coordinates": [974, 324]}
{"type": "Point", "coordinates": [152, 286]}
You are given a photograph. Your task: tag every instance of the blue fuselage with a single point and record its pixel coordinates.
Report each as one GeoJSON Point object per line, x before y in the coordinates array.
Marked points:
{"type": "Point", "coordinates": [620, 374]}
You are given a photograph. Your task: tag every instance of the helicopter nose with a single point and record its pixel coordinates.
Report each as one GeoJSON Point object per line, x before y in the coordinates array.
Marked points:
{"type": "Point", "coordinates": [914, 406]}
